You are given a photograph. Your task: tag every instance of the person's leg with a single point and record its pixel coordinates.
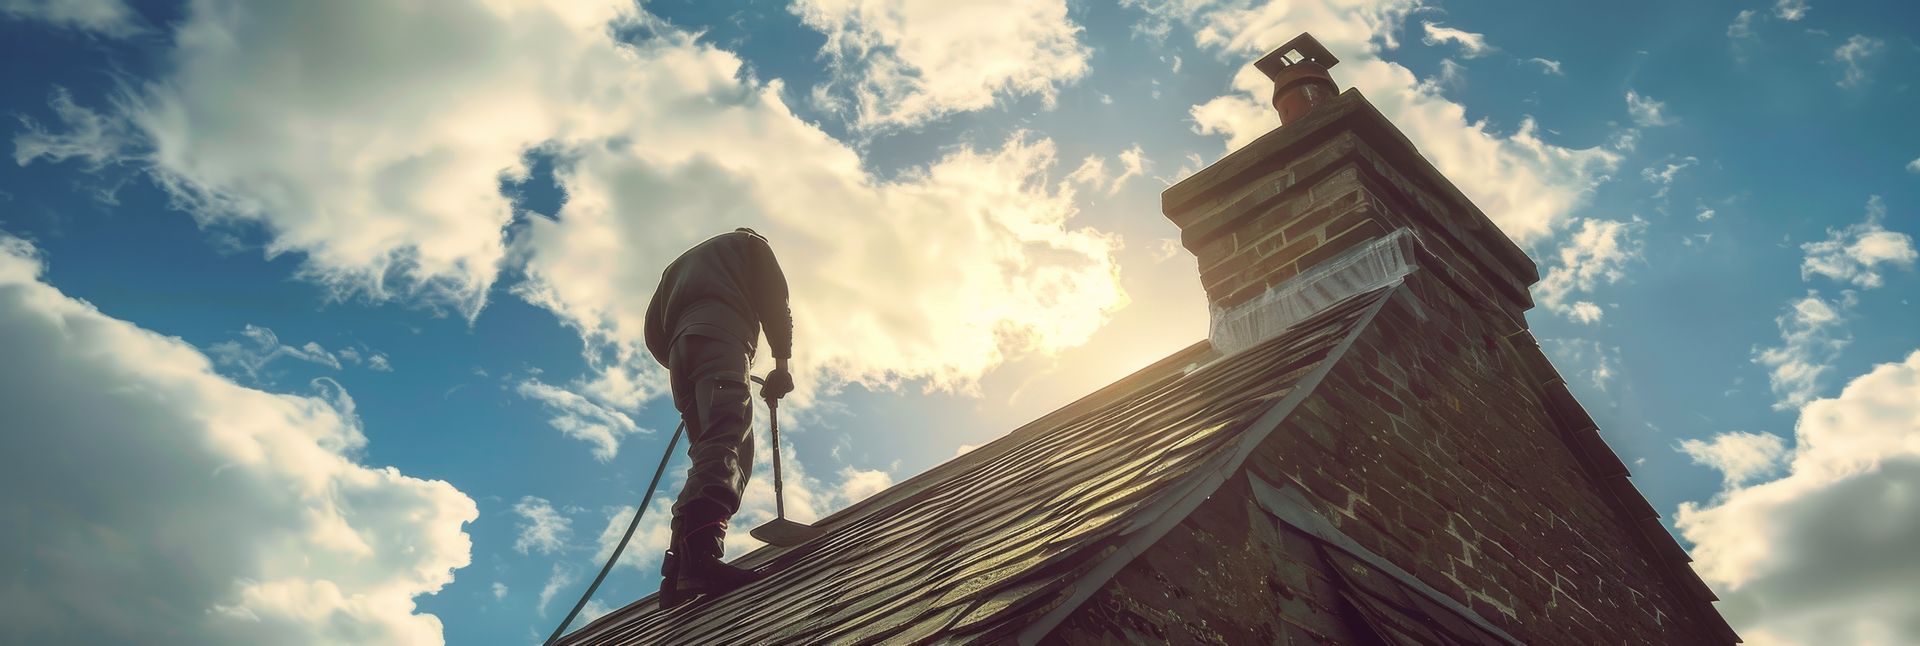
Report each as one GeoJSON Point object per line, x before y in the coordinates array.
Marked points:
{"type": "Point", "coordinates": [722, 457]}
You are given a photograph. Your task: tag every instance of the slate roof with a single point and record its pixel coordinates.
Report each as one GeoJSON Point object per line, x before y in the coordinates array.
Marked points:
{"type": "Point", "coordinates": [1013, 535]}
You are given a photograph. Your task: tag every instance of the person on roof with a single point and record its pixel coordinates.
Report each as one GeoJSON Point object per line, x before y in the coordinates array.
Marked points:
{"type": "Point", "coordinates": [704, 325]}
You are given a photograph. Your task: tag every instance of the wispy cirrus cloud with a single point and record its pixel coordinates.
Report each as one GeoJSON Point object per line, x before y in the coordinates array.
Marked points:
{"type": "Point", "coordinates": [111, 18]}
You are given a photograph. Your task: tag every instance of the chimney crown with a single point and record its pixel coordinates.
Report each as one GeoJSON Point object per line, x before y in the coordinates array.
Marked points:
{"type": "Point", "coordinates": [1300, 78]}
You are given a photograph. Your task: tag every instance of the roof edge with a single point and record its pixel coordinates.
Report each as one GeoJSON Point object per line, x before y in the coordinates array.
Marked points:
{"type": "Point", "coordinates": [1150, 525]}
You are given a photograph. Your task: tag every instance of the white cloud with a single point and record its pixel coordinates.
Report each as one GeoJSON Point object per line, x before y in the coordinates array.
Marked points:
{"type": "Point", "coordinates": [1825, 554]}
{"type": "Point", "coordinates": [561, 578]}
{"type": "Point", "coordinates": [979, 243]}
{"type": "Point", "coordinates": [499, 590]}
{"type": "Point", "coordinates": [384, 167]}
{"type": "Point", "coordinates": [1133, 163]}
{"type": "Point", "coordinates": [1646, 111]}
{"type": "Point", "coordinates": [261, 347]}
{"type": "Point", "coordinates": [1914, 166]}
{"type": "Point", "coordinates": [1664, 174]}
{"type": "Point", "coordinates": [1852, 54]}
{"type": "Point", "coordinates": [542, 528]}
{"type": "Point", "coordinates": [1548, 67]}
{"type": "Point", "coordinates": [224, 514]}
{"type": "Point", "coordinates": [857, 484]}
{"type": "Point", "coordinates": [1584, 312]}
{"type": "Point", "coordinates": [582, 418]}
{"type": "Point", "coordinates": [1452, 74]}
{"type": "Point", "coordinates": [106, 17]}
{"type": "Point", "coordinates": [1790, 10]}
{"type": "Point", "coordinates": [1742, 26]}
{"type": "Point", "coordinates": [1472, 45]}
{"type": "Point", "coordinates": [95, 138]}
{"type": "Point", "coordinates": [1811, 336]}
{"type": "Point", "coordinates": [1738, 456]}
{"type": "Point", "coordinates": [1527, 186]}
{"type": "Point", "coordinates": [1704, 215]}
{"type": "Point", "coordinates": [1165, 249]}
{"type": "Point", "coordinates": [1855, 254]}
{"type": "Point", "coordinates": [1092, 173]}
{"type": "Point", "coordinates": [908, 62]}
{"type": "Point", "coordinates": [1596, 254]}
{"type": "Point", "coordinates": [1597, 362]}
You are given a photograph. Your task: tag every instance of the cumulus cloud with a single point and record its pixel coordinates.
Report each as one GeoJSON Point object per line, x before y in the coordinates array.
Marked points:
{"type": "Point", "coordinates": [1472, 45]}
{"type": "Point", "coordinates": [1825, 553]}
{"type": "Point", "coordinates": [1548, 67]}
{"type": "Point", "coordinates": [105, 17]}
{"type": "Point", "coordinates": [1852, 55]}
{"type": "Point", "coordinates": [1790, 10]}
{"type": "Point", "coordinates": [384, 168]}
{"type": "Point", "coordinates": [907, 62]}
{"type": "Point", "coordinates": [542, 528]}
{"type": "Point", "coordinates": [1646, 111]}
{"type": "Point", "coordinates": [1914, 166]}
{"type": "Point", "coordinates": [1596, 254]}
{"type": "Point", "coordinates": [1584, 312]}
{"type": "Point", "coordinates": [1738, 456]}
{"type": "Point", "coordinates": [857, 484]}
{"type": "Point", "coordinates": [1856, 253]}
{"type": "Point", "coordinates": [1812, 334]}
{"type": "Point", "coordinates": [1526, 185]}
{"type": "Point", "coordinates": [499, 590]}
{"type": "Point", "coordinates": [191, 510]}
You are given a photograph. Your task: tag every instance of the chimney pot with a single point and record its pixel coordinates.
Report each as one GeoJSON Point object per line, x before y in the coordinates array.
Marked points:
{"type": "Point", "coordinates": [1300, 78]}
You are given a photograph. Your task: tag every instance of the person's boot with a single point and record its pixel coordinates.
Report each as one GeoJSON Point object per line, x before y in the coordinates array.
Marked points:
{"type": "Point", "coordinates": [692, 567]}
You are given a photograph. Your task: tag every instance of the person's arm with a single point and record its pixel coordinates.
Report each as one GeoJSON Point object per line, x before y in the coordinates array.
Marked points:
{"type": "Point", "coordinates": [770, 294]}
{"type": "Point", "coordinates": [776, 318]}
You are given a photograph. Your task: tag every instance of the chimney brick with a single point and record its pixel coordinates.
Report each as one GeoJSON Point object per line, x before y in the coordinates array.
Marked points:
{"type": "Point", "coordinates": [1337, 176]}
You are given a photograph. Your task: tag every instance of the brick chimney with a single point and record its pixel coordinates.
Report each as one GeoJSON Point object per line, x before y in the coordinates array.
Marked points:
{"type": "Point", "coordinates": [1335, 177]}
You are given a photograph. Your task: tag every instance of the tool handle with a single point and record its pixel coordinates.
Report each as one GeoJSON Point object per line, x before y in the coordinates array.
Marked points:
{"type": "Point", "coordinates": [773, 428]}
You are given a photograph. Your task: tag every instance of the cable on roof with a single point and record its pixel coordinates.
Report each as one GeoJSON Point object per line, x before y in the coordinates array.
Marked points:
{"type": "Point", "coordinates": [637, 513]}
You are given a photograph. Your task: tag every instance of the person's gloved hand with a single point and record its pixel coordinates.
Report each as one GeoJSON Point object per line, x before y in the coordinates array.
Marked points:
{"type": "Point", "coordinates": [778, 384]}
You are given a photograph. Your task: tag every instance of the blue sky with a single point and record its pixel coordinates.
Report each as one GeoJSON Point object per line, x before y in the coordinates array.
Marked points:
{"type": "Point", "coordinates": [403, 247]}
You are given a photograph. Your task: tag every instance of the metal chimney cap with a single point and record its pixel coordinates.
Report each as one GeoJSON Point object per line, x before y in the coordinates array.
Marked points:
{"type": "Point", "coordinates": [1303, 48]}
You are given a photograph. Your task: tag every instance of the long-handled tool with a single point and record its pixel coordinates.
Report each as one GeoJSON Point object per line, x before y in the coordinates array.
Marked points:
{"type": "Point", "coordinates": [781, 531]}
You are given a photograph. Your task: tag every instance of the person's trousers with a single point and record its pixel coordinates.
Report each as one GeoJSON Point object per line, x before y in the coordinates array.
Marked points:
{"type": "Point", "coordinates": [709, 378]}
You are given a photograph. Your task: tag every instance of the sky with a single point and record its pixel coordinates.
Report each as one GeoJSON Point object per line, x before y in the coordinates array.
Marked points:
{"type": "Point", "coordinates": [321, 322]}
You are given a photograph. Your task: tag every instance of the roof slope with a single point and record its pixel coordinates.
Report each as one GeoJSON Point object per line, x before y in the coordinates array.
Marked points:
{"type": "Point", "coordinates": [1000, 539]}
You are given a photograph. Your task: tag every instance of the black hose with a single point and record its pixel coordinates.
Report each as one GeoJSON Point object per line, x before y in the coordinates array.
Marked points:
{"type": "Point", "coordinates": [637, 513]}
